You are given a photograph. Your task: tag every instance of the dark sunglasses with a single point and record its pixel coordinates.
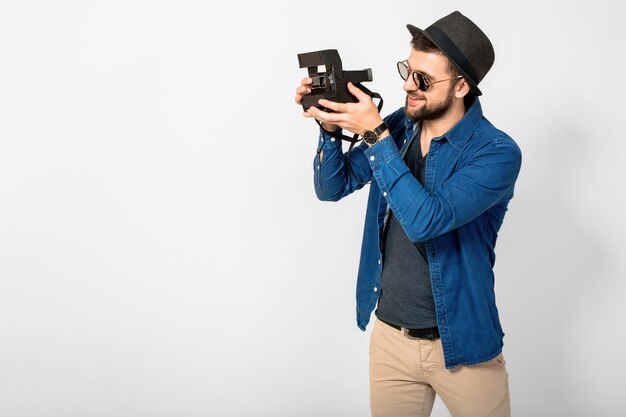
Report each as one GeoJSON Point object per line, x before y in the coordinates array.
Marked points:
{"type": "Point", "coordinates": [421, 81]}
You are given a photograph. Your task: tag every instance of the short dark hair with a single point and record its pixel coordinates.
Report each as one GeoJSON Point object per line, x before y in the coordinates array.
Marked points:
{"type": "Point", "coordinates": [423, 44]}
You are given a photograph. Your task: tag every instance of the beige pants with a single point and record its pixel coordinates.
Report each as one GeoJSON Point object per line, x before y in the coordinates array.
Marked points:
{"type": "Point", "coordinates": [405, 375]}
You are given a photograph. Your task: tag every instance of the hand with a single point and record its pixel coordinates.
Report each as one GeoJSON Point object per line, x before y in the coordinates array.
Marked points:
{"type": "Point", "coordinates": [355, 117]}
{"type": "Point", "coordinates": [305, 88]}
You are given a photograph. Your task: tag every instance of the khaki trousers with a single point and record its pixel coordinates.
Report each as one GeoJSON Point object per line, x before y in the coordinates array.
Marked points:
{"type": "Point", "coordinates": [405, 375]}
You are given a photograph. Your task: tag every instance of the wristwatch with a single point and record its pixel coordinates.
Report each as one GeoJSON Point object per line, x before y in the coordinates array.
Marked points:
{"type": "Point", "coordinates": [372, 136]}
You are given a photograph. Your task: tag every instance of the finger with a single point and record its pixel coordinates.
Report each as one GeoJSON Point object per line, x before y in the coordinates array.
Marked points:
{"type": "Point", "coordinates": [316, 113]}
{"type": "Point", "coordinates": [323, 116]}
{"type": "Point", "coordinates": [301, 91]}
{"type": "Point", "coordinates": [357, 92]}
{"type": "Point", "coordinates": [306, 81]}
{"type": "Point", "coordinates": [333, 105]}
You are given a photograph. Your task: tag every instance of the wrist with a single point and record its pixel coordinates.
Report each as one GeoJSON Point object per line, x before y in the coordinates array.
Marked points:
{"type": "Point", "coordinates": [329, 127]}
{"type": "Point", "coordinates": [371, 137]}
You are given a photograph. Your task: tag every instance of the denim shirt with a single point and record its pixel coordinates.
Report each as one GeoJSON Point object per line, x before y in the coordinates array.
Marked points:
{"type": "Point", "coordinates": [469, 180]}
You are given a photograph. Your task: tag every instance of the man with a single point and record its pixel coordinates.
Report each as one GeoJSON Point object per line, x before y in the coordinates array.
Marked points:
{"type": "Point", "coordinates": [441, 179]}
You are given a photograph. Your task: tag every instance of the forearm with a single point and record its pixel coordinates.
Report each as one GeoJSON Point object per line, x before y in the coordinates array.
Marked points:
{"type": "Point", "coordinates": [333, 179]}
{"type": "Point", "coordinates": [468, 192]}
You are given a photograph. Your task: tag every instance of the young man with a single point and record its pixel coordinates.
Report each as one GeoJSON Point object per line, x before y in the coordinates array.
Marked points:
{"type": "Point", "coordinates": [441, 179]}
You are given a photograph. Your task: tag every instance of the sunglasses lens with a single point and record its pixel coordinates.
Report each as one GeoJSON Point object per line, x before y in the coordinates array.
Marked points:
{"type": "Point", "coordinates": [420, 81]}
{"type": "Point", "coordinates": [403, 70]}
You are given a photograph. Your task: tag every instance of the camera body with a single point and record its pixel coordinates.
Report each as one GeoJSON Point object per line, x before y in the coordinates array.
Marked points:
{"type": "Point", "coordinates": [330, 81]}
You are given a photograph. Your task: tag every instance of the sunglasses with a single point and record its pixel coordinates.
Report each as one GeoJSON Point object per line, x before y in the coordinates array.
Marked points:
{"type": "Point", "coordinates": [421, 81]}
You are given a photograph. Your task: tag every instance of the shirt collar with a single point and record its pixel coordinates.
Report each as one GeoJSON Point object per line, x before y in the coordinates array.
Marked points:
{"type": "Point", "coordinates": [460, 132]}
{"type": "Point", "coordinates": [465, 128]}
{"type": "Point", "coordinates": [410, 124]}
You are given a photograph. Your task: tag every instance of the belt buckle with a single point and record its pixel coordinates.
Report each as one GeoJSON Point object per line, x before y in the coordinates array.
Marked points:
{"type": "Point", "coordinates": [430, 336]}
{"type": "Point", "coordinates": [405, 333]}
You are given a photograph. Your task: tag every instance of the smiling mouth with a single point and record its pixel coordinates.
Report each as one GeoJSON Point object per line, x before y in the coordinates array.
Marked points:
{"type": "Point", "coordinates": [412, 97]}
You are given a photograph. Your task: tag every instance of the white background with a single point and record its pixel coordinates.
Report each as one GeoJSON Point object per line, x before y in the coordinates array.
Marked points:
{"type": "Point", "coordinates": [162, 252]}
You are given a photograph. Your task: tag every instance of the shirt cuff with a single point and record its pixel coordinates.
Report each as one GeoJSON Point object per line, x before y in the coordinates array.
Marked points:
{"type": "Point", "coordinates": [381, 152]}
{"type": "Point", "coordinates": [328, 142]}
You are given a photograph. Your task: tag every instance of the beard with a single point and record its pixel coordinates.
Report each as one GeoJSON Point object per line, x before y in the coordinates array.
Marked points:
{"type": "Point", "coordinates": [428, 112]}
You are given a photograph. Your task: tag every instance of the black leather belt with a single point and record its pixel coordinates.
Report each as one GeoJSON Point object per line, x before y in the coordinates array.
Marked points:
{"type": "Point", "coordinates": [428, 334]}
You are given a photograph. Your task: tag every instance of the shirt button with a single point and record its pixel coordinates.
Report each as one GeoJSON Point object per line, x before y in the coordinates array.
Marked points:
{"type": "Point", "coordinates": [404, 141]}
{"type": "Point", "coordinates": [318, 167]}
{"type": "Point", "coordinates": [375, 289]}
{"type": "Point", "coordinates": [379, 262]}
{"type": "Point", "coordinates": [332, 139]}
{"type": "Point", "coordinates": [372, 158]}
{"type": "Point", "coordinates": [385, 194]}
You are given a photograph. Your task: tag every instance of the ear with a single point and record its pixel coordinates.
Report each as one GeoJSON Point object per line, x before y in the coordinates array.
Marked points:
{"type": "Point", "coordinates": [461, 88]}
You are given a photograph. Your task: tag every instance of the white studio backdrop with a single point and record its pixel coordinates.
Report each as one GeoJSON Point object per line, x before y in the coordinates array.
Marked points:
{"type": "Point", "coordinates": [162, 252]}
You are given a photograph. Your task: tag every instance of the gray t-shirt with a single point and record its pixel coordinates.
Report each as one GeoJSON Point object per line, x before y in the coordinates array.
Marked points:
{"type": "Point", "coordinates": [406, 297]}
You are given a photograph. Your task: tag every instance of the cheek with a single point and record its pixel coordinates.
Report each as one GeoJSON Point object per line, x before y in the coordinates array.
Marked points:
{"type": "Point", "coordinates": [440, 97]}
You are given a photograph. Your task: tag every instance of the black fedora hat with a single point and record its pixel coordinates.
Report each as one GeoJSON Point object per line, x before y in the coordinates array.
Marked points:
{"type": "Point", "coordinates": [463, 42]}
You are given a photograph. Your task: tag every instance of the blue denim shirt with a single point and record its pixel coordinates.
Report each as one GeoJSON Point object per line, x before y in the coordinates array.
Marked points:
{"type": "Point", "coordinates": [469, 180]}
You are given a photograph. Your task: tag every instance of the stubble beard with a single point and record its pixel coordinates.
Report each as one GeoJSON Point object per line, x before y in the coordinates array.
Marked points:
{"type": "Point", "coordinates": [427, 112]}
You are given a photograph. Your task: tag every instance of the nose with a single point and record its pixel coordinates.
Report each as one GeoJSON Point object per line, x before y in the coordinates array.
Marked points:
{"type": "Point", "coordinates": [409, 84]}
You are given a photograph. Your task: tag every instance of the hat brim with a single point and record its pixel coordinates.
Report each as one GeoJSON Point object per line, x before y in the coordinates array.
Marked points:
{"type": "Point", "coordinates": [473, 85]}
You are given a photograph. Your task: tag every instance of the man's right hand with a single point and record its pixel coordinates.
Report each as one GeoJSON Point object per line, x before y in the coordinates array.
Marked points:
{"type": "Point", "coordinates": [304, 89]}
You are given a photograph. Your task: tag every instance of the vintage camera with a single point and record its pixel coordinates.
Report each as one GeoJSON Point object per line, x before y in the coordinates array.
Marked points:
{"type": "Point", "coordinates": [330, 81]}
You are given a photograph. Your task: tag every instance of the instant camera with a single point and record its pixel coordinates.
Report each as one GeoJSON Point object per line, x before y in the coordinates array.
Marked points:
{"type": "Point", "coordinates": [330, 81]}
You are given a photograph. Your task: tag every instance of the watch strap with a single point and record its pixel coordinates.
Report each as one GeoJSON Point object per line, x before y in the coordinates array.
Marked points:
{"type": "Point", "coordinates": [380, 129]}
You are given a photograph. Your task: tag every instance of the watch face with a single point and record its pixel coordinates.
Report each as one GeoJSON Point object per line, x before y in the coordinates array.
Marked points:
{"type": "Point", "coordinates": [370, 137]}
